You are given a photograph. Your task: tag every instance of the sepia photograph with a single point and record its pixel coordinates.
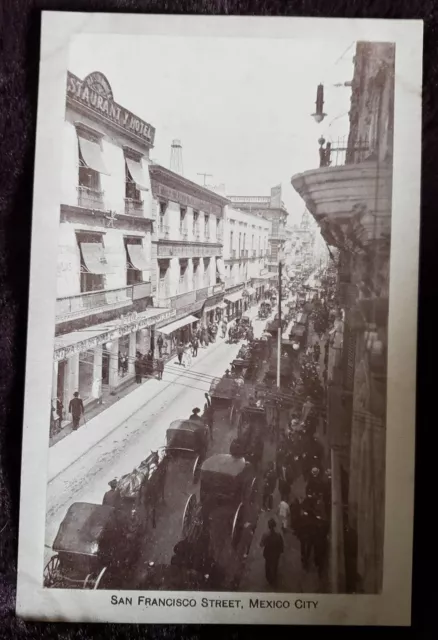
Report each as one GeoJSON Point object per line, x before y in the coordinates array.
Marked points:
{"type": "Point", "coordinates": [217, 404]}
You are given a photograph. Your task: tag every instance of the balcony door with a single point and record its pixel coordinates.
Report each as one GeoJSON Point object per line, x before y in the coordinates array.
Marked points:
{"type": "Point", "coordinates": [89, 281]}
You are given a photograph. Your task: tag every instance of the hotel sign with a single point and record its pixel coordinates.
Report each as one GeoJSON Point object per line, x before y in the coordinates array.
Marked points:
{"type": "Point", "coordinates": [95, 94]}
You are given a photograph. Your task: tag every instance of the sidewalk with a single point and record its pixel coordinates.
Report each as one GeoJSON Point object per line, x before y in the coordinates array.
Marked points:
{"type": "Point", "coordinates": [65, 452]}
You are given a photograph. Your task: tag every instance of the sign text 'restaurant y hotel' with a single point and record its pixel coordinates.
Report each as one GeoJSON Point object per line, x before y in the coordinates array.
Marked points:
{"type": "Point", "coordinates": [97, 98]}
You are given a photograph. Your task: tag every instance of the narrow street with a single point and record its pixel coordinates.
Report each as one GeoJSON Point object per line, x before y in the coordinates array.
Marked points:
{"type": "Point", "coordinates": [86, 480]}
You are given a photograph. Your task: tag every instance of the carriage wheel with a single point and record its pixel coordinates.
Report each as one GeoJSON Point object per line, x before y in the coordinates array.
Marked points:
{"type": "Point", "coordinates": [188, 514]}
{"type": "Point", "coordinates": [197, 469]}
{"type": "Point", "coordinates": [52, 572]}
{"type": "Point", "coordinates": [236, 531]}
{"type": "Point", "coordinates": [99, 578]}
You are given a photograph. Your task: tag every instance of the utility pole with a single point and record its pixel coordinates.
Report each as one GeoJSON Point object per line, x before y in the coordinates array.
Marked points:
{"type": "Point", "coordinates": [205, 175]}
{"type": "Point", "coordinates": [280, 268]}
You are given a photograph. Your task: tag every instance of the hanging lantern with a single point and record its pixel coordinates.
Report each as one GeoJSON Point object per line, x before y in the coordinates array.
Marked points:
{"type": "Point", "coordinates": [319, 115]}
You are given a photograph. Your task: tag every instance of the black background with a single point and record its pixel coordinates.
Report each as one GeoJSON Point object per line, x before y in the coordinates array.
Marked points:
{"type": "Point", "coordinates": [19, 59]}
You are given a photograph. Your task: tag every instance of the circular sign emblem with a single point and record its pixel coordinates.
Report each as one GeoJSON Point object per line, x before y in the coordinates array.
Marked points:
{"type": "Point", "coordinates": [99, 83]}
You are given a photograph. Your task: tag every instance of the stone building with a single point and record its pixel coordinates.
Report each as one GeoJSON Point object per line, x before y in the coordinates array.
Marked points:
{"type": "Point", "coordinates": [349, 196]}
{"type": "Point", "coordinates": [104, 306]}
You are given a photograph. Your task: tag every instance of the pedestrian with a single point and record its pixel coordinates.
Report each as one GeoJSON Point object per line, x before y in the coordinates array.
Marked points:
{"type": "Point", "coordinates": [160, 365]}
{"type": "Point", "coordinates": [160, 344]}
{"type": "Point", "coordinates": [269, 482]}
{"type": "Point", "coordinates": [284, 487]}
{"type": "Point", "coordinates": [195, 345]}
{"type": "Point", "coordinates": [273, 546]}
{"type": "Point", "coordinates": [138, 368]}
{"type": "Point", "coordinates": [180, 352]}
{"type": "Point", "coordinates": [187, 358]}
{"type": "Point", "coordinates": [76, 408]}
{"type": "Point", "coordinates": [284, 514]}
{"type": "Point", "coordinates": [224, 328]}
{"type": "Point", "coordinates": [204, 337]}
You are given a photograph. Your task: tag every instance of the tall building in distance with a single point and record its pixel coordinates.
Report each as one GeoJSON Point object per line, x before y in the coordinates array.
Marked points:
{"type": "Point", "coordinates": [273, 209]}
{"type": "Point", "coordinates": [349, 196]}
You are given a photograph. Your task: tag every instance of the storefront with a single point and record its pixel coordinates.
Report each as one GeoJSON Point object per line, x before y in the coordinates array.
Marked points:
{"type": "Point", "coordinates": [102, 359]}
{"type": "Point", "coordinates": [175, 332]}
{"type": "Point", "coordinates": [214, 308]}
{"type": "Point", "coordinates": [234, 301]}
{"type": "Point", "coordinates": [251, 295]}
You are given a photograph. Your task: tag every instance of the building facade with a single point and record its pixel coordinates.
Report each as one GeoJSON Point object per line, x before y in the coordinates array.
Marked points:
{"type": "Point", "coordinates": [188, 274]}
{"type": "Point", "coordinates": [272, 208]}
{"type": "Point", "coordinates": [350, 198]}
{"type": "Point", "coordinates": [104, 306]}
{"type": "Point", "coordinates": [245, 255]}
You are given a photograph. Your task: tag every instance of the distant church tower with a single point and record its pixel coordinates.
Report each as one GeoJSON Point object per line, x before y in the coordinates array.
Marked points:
{"type": "Point", "coordinates": [176, 162]}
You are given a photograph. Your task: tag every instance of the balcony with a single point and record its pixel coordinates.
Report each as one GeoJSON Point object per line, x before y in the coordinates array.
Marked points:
{"type": "Point", "coordinates": [90, 198]}
{"type": "Point", "coordinates": [92, 302]}
{"type": "Point", "coordinates": [349, 197]}
{"type": "Point", "coordinates": [134, 207]}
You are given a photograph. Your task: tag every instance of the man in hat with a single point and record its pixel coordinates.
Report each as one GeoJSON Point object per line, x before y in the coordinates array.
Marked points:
{"type": "Point", "coordinates": [273, 546]}
{"type": "Point", "coordinates": [195, 414]}
{"type": "Point", "coordinates": [76, 408]}
{"type": "Point", "coordinates": [111, 497]}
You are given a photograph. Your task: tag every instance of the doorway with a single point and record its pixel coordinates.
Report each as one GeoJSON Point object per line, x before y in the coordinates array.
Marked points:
{"type": "Point", "coordinates": [105, 367]}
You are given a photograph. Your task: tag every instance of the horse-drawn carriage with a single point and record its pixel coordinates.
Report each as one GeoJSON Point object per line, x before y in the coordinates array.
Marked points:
{"type": "Point", "coordinates": [265, 310]}
{"type": "Point", "coordinates": [227, 499]}
{"type": "Point", "coordinates": [188, 438]}
{"type": "Point", "coordinates": [225, 394]}
{"type": "Point", "coordinates": [86, 545]}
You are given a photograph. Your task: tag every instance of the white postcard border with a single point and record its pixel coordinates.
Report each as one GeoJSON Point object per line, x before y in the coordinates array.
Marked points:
{"type": "Point", "coordinates": [392, 607]}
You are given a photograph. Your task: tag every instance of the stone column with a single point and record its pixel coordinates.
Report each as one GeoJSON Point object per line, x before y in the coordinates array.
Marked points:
{"type": "Point", "coordinates": [131, 351]}
{"type": "Point", "coordinates": [96, 391]}
{"type": "Point", "coordinates": [114, 366]}
{"type": "Point", "coordinates": [55, 382]}
{"type": "Point", "coordinates": [71, 379]}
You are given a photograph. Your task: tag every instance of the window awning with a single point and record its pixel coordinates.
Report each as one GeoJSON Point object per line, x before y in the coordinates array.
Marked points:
{"type": "Point", "coordinates": [94, 258]}
{"type": "Point", "coordinates": [233, 297]}
{"type": "Point", "coordinates": [178, 324]}
{"type": "Point", "coordinates": [138, 257]}
{"type": "Point", "coordinates": [138, 174]}
{"type": "Point", "coordinates": [251, 291]}
{"type": "Point", "coordinates": [92, 155]}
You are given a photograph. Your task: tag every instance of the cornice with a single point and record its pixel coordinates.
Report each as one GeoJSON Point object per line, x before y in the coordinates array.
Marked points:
{"type": "Point", "coordinates": [175, 181]}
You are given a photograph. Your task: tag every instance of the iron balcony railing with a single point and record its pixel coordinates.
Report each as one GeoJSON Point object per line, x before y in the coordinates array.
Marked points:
{"type": "Point", "coordinates": [134, 207]}
{"type": "Point", "coordinates": [94, 301]}
{"type": "Point", "coordinates": [90, 198]}
{"type": "Point", "coordinates": [342, 151]}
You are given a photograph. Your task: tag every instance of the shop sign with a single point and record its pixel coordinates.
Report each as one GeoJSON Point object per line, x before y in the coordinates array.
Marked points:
{"type": "Point", "coordinates": [126, 327]}
{"type": "Point", "coordinates": [100, 101]}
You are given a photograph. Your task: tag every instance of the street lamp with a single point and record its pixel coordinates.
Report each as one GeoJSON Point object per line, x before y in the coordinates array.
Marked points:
{"type": "Point", "coordinates": [319, 115]}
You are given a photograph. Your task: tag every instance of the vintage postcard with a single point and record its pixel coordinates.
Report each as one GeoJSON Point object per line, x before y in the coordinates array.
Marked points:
{"type": "Point", "coordinates": [220, 393]}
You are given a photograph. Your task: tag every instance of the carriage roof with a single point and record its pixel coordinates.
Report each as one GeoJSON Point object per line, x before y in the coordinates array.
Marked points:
{"type": "Point", "coordinates": [186, 425]}
{"type": "Point", "coordinates": [224, 387]}
{"type": "Point", "coordinates": [225, 464]}
{"type": "Point", "coordinates": [82, 528]}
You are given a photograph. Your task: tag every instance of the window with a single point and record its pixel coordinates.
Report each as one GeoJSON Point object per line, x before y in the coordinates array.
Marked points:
{"type": "Point", "coordinates": [89, 281]}
{"type": "Point", "coordinates": [196, 223]}
{"type": "Point", "coordinates": [182, 221]}
{"type": "Point", "coordinates": [162, 220]}
{"type": "Point", "coordinates": [163, 266]}
{"type": "Point", "coordinates": [182, 275]}
{"type": "Point", "coordinates": [133, 275]}
{"type": "Point", "coordinates": [196, 272]}
{"type": "Point", "coordinates": [88, 178]}
{"type": "Point", "coordinates": [207, 225]}
{"type": "Point", "coordinates": [131, 190]}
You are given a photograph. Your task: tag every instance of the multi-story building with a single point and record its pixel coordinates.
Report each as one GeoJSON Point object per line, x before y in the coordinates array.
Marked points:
{"type": "Point", "coordinates": [187, 267]}
{"type": "Point", "coordinates": [349, 196]}
{"type": "Point", "coordinates": [273, 209]}
{"type": "Point", "coordinates": [104, 307]}
{"type": "Point", "coordinates": [246, 237]}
